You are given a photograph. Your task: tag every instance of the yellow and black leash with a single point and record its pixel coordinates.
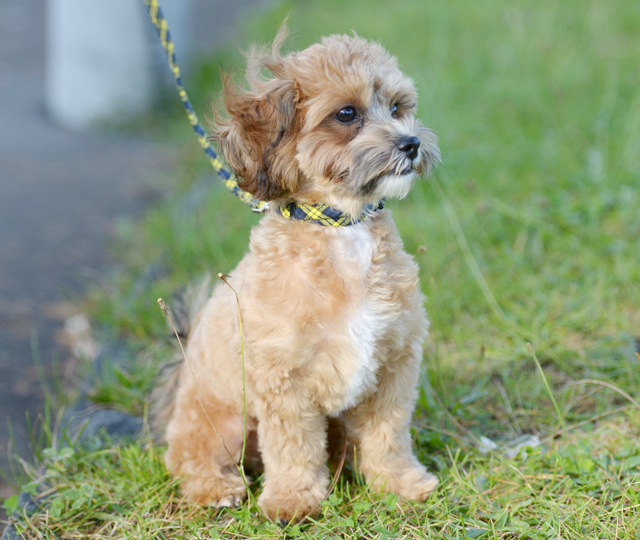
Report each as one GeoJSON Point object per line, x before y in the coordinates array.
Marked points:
{"type": "Point", "coordinates": [320, 214]}
{"type": "Point", "coordinates": [229, 179]}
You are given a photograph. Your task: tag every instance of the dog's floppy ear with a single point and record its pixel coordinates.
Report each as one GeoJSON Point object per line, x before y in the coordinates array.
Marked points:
{"type": "Point", "coordinates": [258, 139]}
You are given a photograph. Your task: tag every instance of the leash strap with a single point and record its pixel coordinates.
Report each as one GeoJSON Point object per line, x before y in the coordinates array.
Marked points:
{"type": "Point", "coordinates": [229, 179]}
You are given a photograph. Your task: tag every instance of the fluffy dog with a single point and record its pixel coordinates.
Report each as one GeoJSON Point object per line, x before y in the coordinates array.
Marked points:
{"type": "Point", "coordinates": [333, 317]}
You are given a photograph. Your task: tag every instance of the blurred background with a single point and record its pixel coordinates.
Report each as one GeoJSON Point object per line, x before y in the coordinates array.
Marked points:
{"type": "Point", "coordinates": [528, 233]}
{"type": "Point", "coordinates": [71, 72]}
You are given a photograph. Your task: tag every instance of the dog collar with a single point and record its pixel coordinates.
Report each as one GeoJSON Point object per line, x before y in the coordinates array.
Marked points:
{"type": "Point", "coordinates": [322, 214]}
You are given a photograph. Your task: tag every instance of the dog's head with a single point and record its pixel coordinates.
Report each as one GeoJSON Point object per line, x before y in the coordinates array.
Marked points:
{"type": "Point", "coordinates": [335, 124]}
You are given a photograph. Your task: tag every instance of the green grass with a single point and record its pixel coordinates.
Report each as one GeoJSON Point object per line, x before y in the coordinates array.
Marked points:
{"type": "Point", "coordinates": [577, 490]}
{"type": "Point", "coordinates": [528, 239]}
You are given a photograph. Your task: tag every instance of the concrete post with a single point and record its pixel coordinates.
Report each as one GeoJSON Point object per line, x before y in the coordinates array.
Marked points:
{"type": "Point", "coordinates": [103, 58]}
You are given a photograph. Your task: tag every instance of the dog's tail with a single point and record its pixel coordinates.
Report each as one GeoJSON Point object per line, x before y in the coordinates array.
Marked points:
{"type": "Point", "coordinates": [185, 309]}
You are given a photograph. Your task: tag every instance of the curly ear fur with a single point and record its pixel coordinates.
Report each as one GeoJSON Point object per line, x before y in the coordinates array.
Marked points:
{"type": "Point", "coordinates": [258, 140]}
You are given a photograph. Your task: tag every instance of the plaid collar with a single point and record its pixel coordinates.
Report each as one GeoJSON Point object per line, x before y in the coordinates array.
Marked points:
{"type": "Point", "coordinates": [322, 214]}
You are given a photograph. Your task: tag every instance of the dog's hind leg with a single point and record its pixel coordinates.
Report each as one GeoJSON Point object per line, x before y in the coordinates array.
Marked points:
{"type": "Point", "coordinates": [204, 450]}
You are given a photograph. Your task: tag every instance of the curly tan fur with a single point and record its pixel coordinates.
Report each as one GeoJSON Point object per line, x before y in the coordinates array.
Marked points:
{"type": "Point", "coordinates": [333, 317]}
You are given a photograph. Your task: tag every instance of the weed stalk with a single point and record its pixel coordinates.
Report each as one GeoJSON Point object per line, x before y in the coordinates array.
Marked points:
{"type": "Point", "coordinates": [546, 385]}
{"type": "Point", "coordinates": [224, 277]}
{"type": "Point", "coordinates": [165, 312]}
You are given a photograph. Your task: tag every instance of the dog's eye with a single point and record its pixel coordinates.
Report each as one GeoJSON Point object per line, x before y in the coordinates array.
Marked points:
{"type": "Point", "coordinates": [346, 115]}
{"type": "Point", "coordinates": [394, 111]}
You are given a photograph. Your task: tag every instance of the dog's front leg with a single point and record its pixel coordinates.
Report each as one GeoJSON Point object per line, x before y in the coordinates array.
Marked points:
{"type": "Point", "coordinates": [292, 438]}
{"type": "Point", "coordinates": [379, 428]}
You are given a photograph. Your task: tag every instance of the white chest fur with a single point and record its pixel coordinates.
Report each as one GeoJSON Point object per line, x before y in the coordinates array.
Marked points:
{"type": "Point", "coordinates": [366, 321]}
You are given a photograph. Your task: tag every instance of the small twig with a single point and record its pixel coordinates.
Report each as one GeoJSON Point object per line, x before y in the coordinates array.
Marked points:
{"type": "Point", "coordinates": [607, 385]}
{"type": "Point", "coordinates": [451, 434]}
{"type": "Point", "coordinates": [507, 403]}
{"type": "Point", "coordinates": [165, 312]}
{"type": "Point", "coordinates": [583, 422]}
{"type": "Point", "coordinates": [446, 410]}
{"type": "Point", "coordinates": [343, 458]}
{"type": "Point", "coordinates": [470, 258]}
{"type": "Point", "coordinates": [224, 277]}
{"type": "Point", "coordinates": [546, 385]}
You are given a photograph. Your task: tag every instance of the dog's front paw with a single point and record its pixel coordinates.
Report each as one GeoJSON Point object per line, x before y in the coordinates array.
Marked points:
{"type": "Point", "coordinates": [286, 506]}
{"type": "Point", "coordinates": [414, 483]}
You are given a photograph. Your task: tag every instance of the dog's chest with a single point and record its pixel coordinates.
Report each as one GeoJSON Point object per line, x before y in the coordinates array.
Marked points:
{"type": "Point", "coordinates": [369, 314]}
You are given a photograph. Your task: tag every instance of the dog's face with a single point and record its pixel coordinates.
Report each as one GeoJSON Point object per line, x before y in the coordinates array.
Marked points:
{"type": "Point", "coordinates": [336, 124]}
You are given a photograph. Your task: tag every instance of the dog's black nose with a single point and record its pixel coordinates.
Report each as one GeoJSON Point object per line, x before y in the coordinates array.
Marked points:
{"type": "Point", "coordinates": [409, 145]}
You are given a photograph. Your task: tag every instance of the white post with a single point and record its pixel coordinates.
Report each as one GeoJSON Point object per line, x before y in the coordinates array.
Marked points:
{"type": "Point", "coordinates": [102, 58]}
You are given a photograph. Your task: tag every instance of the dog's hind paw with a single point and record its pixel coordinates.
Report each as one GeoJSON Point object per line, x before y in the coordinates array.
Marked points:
{"type": "Point", "coordinates": [226, 492]}
{"type": "Point", "coordinates": [231, 501]}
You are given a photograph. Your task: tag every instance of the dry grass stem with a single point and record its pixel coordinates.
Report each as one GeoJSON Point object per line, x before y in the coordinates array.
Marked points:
{"type": "Point", "coordinates": [607, 385]}
{"type": "Point", "coordinates": [224, 278]}
{"type": "Point", "coordinates": [167, 314]}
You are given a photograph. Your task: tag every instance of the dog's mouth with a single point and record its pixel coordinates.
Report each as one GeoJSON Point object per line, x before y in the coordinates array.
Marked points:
{"type": "Point", "coordinates": [374, 183]}
{"type": "Point", "coordinates": [387, 174]}
{"type": "Point", "coordinates": [400, 169]}
{"type": "Point", "coordinates": [403, 165]}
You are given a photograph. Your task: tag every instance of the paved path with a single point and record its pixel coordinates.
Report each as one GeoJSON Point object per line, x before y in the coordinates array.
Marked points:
{"type": "Point", "coordinates": [60, 195]}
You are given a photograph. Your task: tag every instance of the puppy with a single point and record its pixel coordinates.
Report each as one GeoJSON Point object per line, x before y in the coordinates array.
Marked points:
{"type": "Point", "coordinates": [333, 317]}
